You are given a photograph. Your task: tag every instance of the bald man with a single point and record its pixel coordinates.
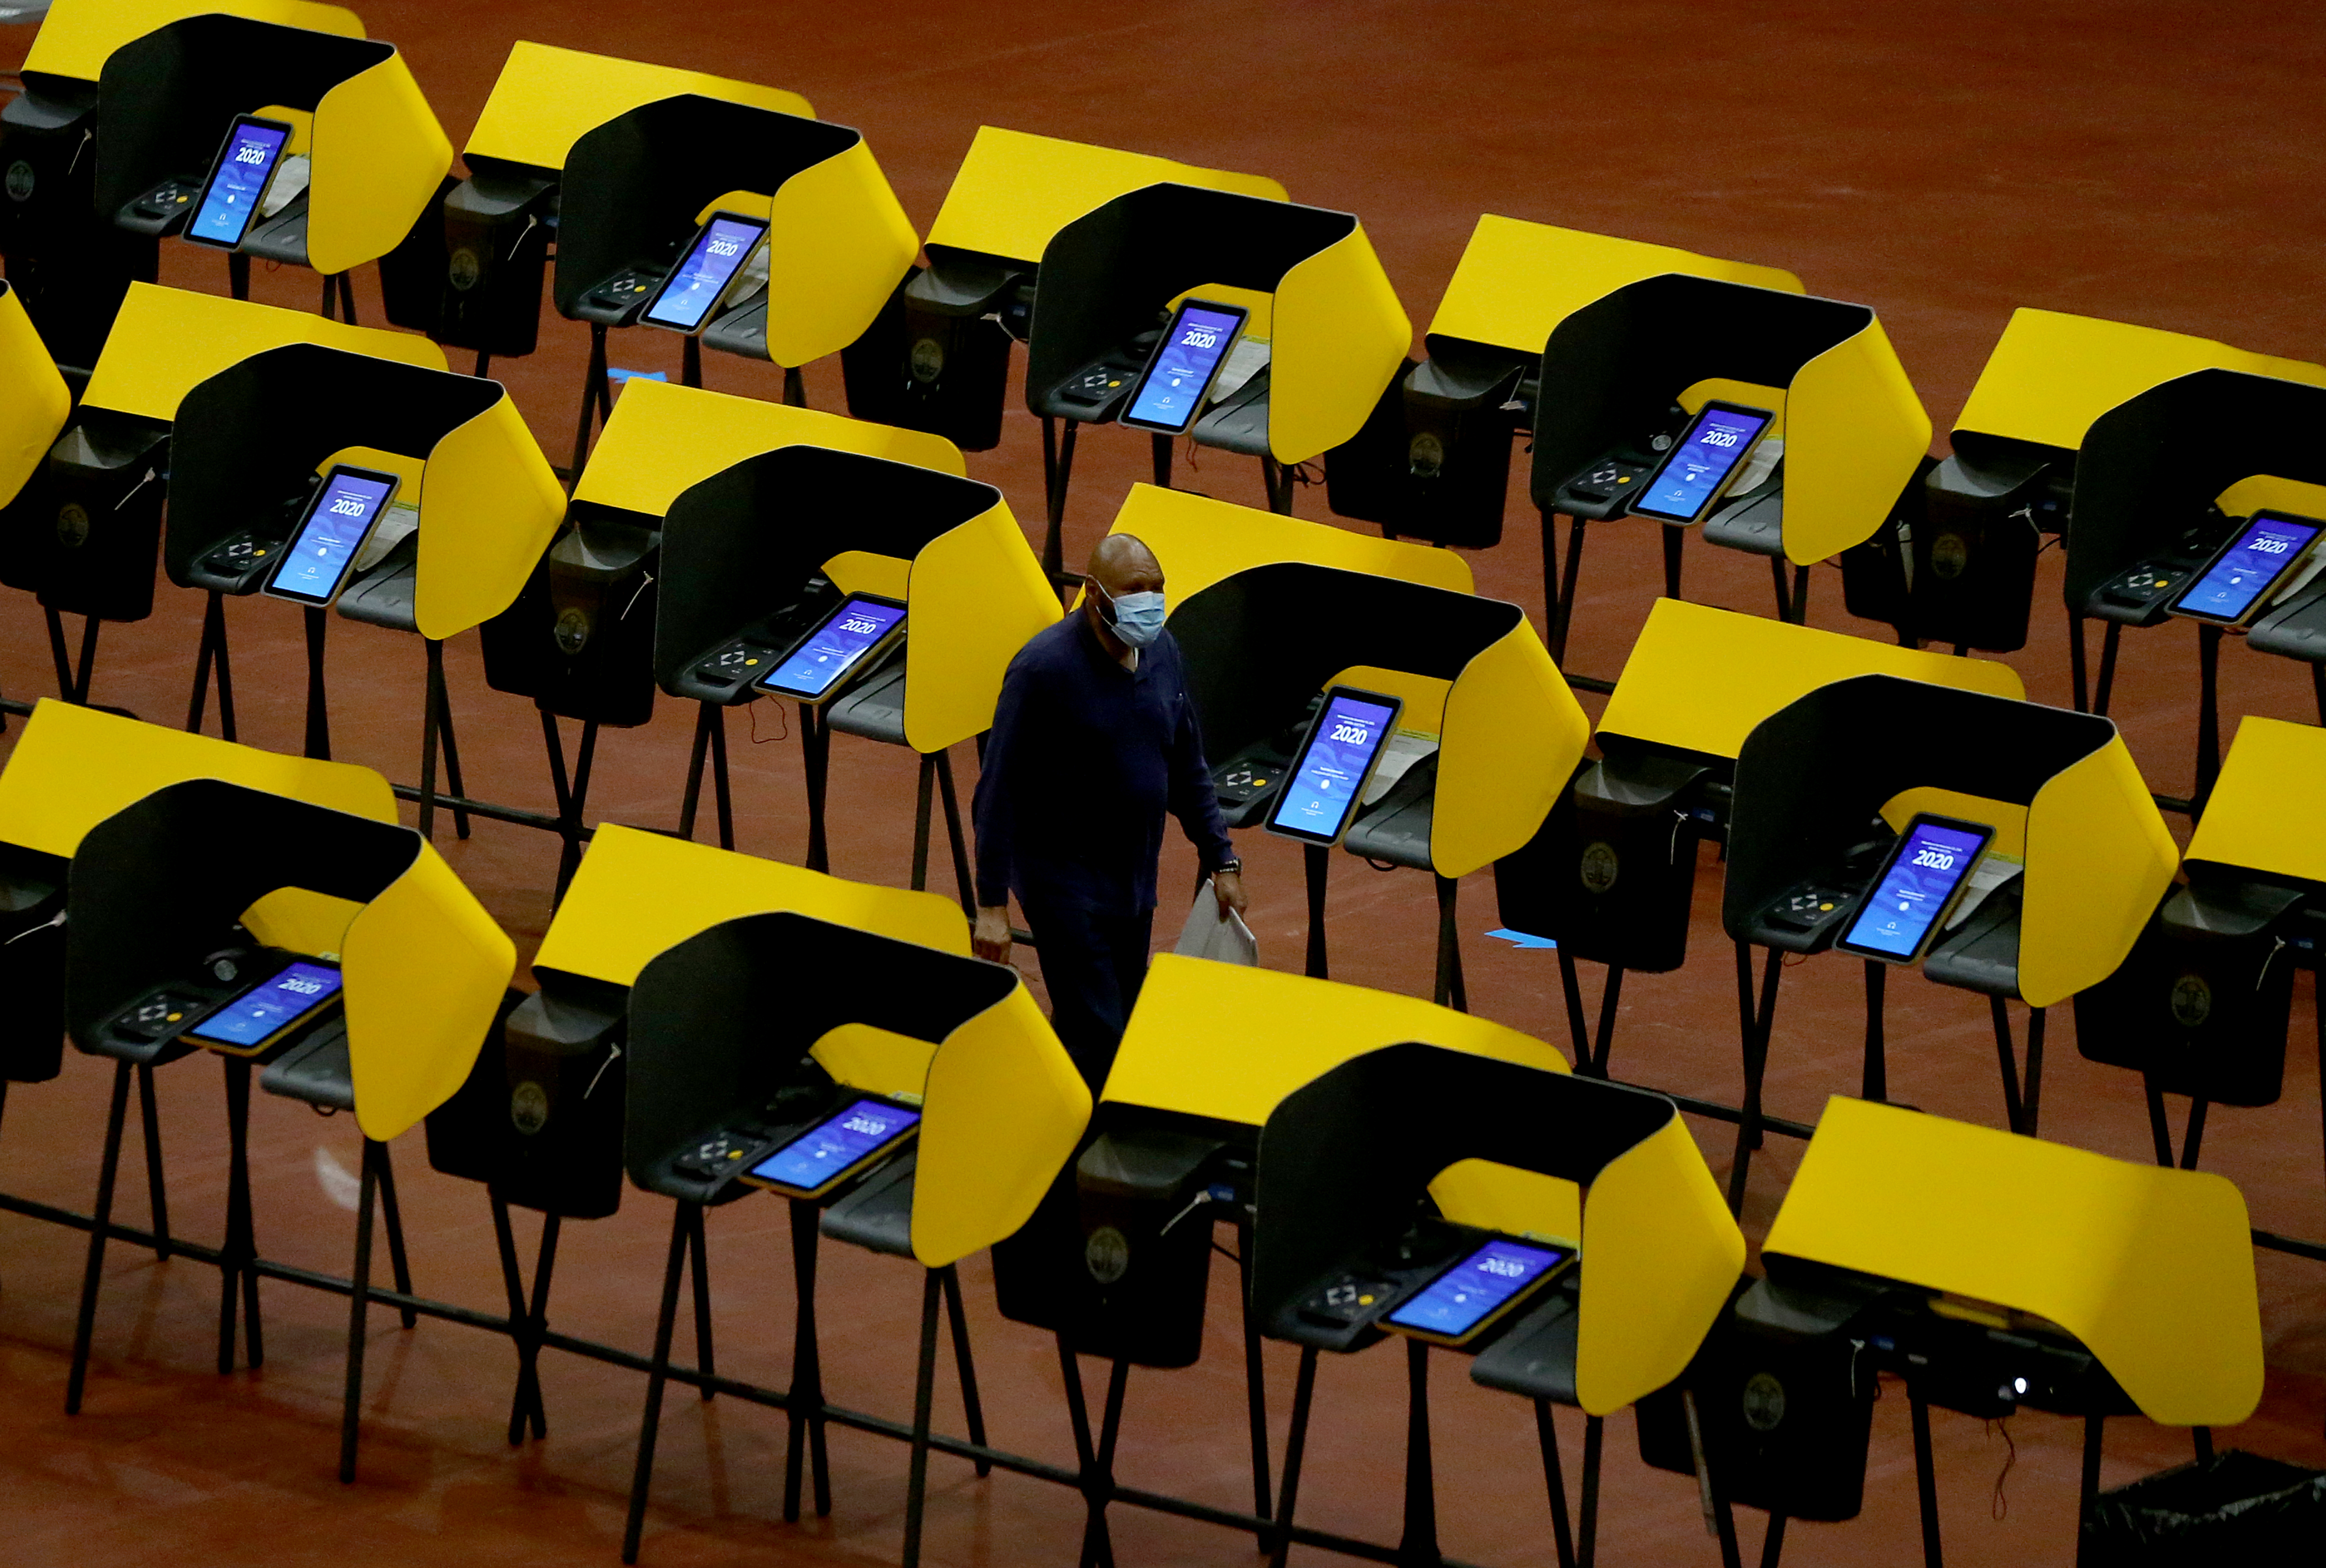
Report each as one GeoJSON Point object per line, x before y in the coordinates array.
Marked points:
{"type": "Point", "coordinates": [1093, 741]}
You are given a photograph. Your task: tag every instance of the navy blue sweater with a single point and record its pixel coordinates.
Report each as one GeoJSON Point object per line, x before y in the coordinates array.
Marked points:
{"type": "Point", "coordinates": [1085, 759]}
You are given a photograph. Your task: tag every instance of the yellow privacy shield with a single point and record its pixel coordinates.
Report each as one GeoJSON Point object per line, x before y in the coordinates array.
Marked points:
{"type": "Point", "coordinates": [426, 970]}
{"type": "Point", "coordinates": [976, 595]}
{"type": "Point", "coordinates": [378, 156]}
{"type": "Point", "coordinates": [1200, 540]}
{"type": "Point", "coordinates": [1512, 735]}
{"type": "Point", "coordinates": [1516, 280]}
{"type": "Point", "coordinates": [1855, 431]}
{"type": "Point", "coordinates": [2051, 375]}
{"type": "Point", "coordinates": [546, 99]}
{"type": "Point", "coordinates": [495, 504]}
{"type": "Point", "coordinates": [638, 892]}
{"type": "Point", "coordinates": [2099, 858]}
{"type": "Point", "coordinates": [1014, 190]}
{"type": "Point", "coordinates": [1226, 1041]}
{"type": "Point", "coordinates": [2151, 1267]}
{"type": "Point", "coordinates": [840, 242]}
{"type": "Point", "coordinates": [77, 36]}
{"type": "Point", "coordinates": [166, 342]}
{"type": "Point", "coordinates": [1700, 679]}
{"type": "Point", "coordinates": [2267, 811]}
{"type": "Point", "coordinates": [1004, 1111]}
{"type": "Point", "coordinates": [73, 767]}
{"type": "Point", "coordinates": [35, 404]}
{"type": "Point", "coordinates": [1341, 336]}
{"type": "Point", "coordinates": [663, 439]}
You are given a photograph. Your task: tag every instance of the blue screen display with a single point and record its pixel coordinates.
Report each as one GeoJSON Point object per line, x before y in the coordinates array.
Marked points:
{"type": "Point", "coordinates": [809, 1162]}
{"type": "Point", "coordinates": [1697, 468]}
{"type": "Point", "coordinates": [720, 252]}
{"type": "Point", "coordinates": [318, 560]}
{"type": "Point", "coordinates": [250, 1019]}
{"type": "Point", "coordinates": [1458, 1300]}
{"type": "Point", "coordinates": [1321, 793]}
{"type": "Point", "coordinates": [2268, 547]}
{"type": "Point", "coordinates": [833, 648]}
{"type": "Point", "coordinates": [232, 199]}
{"type": "Point", "coordinates": [1171, 391]}
{"type": "Point", "coordinates": [1897, 914]}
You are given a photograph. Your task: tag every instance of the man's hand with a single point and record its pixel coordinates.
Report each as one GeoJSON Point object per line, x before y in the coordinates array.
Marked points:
{"type": "Point", "coordinates": [1227, 886]}
{"type": "Point", "coordinates": [990, 937]}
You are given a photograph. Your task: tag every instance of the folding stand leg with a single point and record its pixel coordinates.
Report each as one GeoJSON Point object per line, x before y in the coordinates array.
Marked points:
{"type": "Point", "coordinates": [318, 710]}
{"type": "Point", "coordinates": [794, 387]}
{"type": "Point", "coordinates": [1675, 536]}
{"type": "Point", "coordinates": [924, 798]}
{"type": "Point", "coordinates": [100, 1226]}
{"type": "Point", "coordinates": [1417, 1547]}
{"type": "Point", "coordinates": [398, 1264]}
{"type": "Point", "coordinates": [157, 1193]}
{"type": "Point", "coordinates": [710, 744]}
{"type": "Point", "coordinates": [1255, 1384]}
{"type": "Point", "coordinates": [1772, 1543]}
{"type": "Point", "coordinates": [436, 735]}
{"type": "Point", "coordinates": [2090, 1490]}
{"type": "Point", "coordinates": [595, 394]}
{"type": "Point", "coordinates": [238, 275]}
{"type": "Point", "coordinates": [1800, 596]}
{"type": "Point", "coordinates": [1595, 1437]}
{"type": "Point", "coordinates": [690, 361]}
{"type": "Point", "coordinates": [525, 1406]}
{"type": "Point", "coordinates": [1318, 865]}
{"type": "Point", "coordinates": [358, 1310]}
{"type": "Point", "coordinates": [443, 698]}
{"type": "Point", "coordinates": [58, 655]}
{"type": "Point", "coordinates": [916, 1485]}
{"type": "Point", "coordinates": [1279, 480]}
{"type": "Point", "coordinates": [964, 882]}
{"type": "Point", "coordinates": [241, 1249]}
{"type": "Point", "coordinates": [484, 366]}
{"type": "Point", "coordinates": [1094, 1462]}
{"type": "Point", "coordinates": [2109, 640]}
{"type": "Point", "coordinates": [2318, 688]}
{"type": "Point", "coordinates": [1058, 467]}
{"type": "Point", "coordinates": [1554, 1481]}
{"type": "Point", "coordinates": [1304, 1390]}
{"type": "Point", "coordinates": [1578, 1034]}
{"type": "Point", "coordinates": [964, 1365]}
{"type": "Point", "coordinates": [1926, 1480]}
{"type": "Point", "coordinates": [804, 1402]}
{"type": "Point", "coordinates": [1756, 1022]}
{"type": "Point", "coordinates": [2209, 712]}
{"type": "Point", "coordinates": [815, 755]}
{"type": "Point", "coordinates": [1784, 591]}
{"type": "Point", "coordinates": [2079, 687]}
{"type": "Point", "coordinates": [2021, 1100]}
{"type": "Point", "coordinates": [1158, 448]}
{"type": "Point", "coordinates": [658, 1375]}
{"type": "Point", "coordinates": [1450, 991]}
{"type": "Point", "coordinates": [1565, 618]}
{"type": "Point", "coordinates": [1876, 1083]}
{"type": "Point", "coordinates": [212, 655]}
{"type": "Point", "coordinates": [1610, 998]}
{"type": "Point", "coordinates": [696, 1246]}
{"type": "Point", "coordinates": [570, 797]}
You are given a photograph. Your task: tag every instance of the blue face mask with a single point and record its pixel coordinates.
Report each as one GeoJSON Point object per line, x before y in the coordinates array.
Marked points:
{"type": "Point", "coordinates": [1135, 617]}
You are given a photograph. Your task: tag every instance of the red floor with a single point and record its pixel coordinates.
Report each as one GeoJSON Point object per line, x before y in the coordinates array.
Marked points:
{"type": "Point", "coordinates": [2153, 163]}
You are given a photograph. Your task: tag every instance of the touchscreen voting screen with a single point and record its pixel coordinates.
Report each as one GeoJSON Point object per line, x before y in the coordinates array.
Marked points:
{"type": "Point", "coordinates": [1931, 861]}
{"type": "Point", "coordinates": [812, 1160]}
{"type": "Point", "coordinates": [2270, 547]}
{"type": "Point", "coordinates": [1327, 780]}
{"type": "Point", "coordinates": [1170, 394]}
{"type": "Point", "coordinates": [827, 653]}
{"type": "Point", "coordinates": [1700, 465]}
{"type": "Point", "coordinates": [1466, 1294]}
{"type": "Point", "coordinates": [337, 522]}
{"type": "Point", "coordinates": [267, 1009]}
{"type": "Point", "coordinates": [231, 200]}
{"type": "Point", "coordinates": [718, 253]}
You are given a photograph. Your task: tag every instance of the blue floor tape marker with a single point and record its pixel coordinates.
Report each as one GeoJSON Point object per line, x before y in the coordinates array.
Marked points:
{"type": "Point", "coordinates": [614, 374]}
{"type": "Point", "coordinates": [1520, 939]}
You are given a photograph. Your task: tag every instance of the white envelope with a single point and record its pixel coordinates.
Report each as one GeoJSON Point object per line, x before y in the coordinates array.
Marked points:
{"type": "Point", "coordinates": [1207, 936]}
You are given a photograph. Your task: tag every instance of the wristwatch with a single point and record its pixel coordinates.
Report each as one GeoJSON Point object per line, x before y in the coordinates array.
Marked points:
{"type": "Point", "coordinates": [1230, 864]}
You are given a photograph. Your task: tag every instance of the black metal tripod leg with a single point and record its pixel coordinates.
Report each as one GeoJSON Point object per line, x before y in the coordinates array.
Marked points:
{"type": "Point", "coordinates": [505, 1243]}
{"type": "Point", "coordinates": [398, 1264]}
{"type": "Point", "coordinates": [924, 801]}
{"type": "Point", "coordinates": [1595, 1435]}
{"type": "Point", "coordinates": [693, 801]}
{"type": "Point", "coordinates": [1926, 1484]}
{"type": "Point", "coordinates": [916, 1485]}
{"type": "Point", "coordinates": [100, 1226]}
{"type": "Point", "coordinates": [1874, 1083]}
{"type": "Point", "coordinates": [658, 1376]}
{"type": "Point", "coordinates": [157, 1192]}
{"type": "Point", "coordinates": [358, 1303]}
{"type": "Point", "coordinates": [441, 695]}
{"type": "Point", "coordinates": [1418, 1542]}
{"type": "Point", "coordinates": [696, 1247]}
{"type": "Point", "coordinates": [319, 705]}
{"type": "Point", "coordinates": [1303, 1390]}
{"type": "Point", "coordinates": [1565, 620]}
{"type": "Point", "coordinates": [1317, 866]}
{"type": "Point", "coordinates": [2008, 1059]}
{"type": "Point", "coordinates": [1554, 1482]}
{"type": "Point", "coordinates": [963, 881]}
{"type": "Point", "coordinates": [241, 1240]}
{"type": "Point", "coordinates": [1450, 991]}
{"type": "Point", "coordinates": [1255, 1382]}
{"type": "Point", "coordinates": [803, 1406]}
{"type": "Point", "coordinates": [965, 1364]}
{"type": "Point", "coordinates": [721, 787]}
{"type": "Point", "coordinates": [1060, 471]}
{"type": "Point", "coordinates": [2031, 1094]}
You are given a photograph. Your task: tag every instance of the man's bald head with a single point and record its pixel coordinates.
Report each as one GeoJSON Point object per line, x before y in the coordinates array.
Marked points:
{"type": "Point", "coordinates": [1123, 564]}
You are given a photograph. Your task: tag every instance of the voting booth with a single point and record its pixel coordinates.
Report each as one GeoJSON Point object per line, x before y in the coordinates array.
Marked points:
{"type": "Point", "coordinates": [580, 639]}
{"type": "Point", "coordinates": [637, 188]}
{"type": "Point", "coordinates": [2200, 1007]}
{"type": "Point", "coordinates": [2171, 487]}
{"type": "Point", "coordinates": [64, 250]}
{"type": "Point", "coordinates": [1611, 876]}
{"type": "Point", "coordinates": [539, 1119]}
{"type": "Point", "coordinates": [470, 275]}
{"type": "Point", "coordinates": [1117, 1262]}
{"type": "Point", "coordinates": [1350, 1250]}
{"type": "Point", "coordinates": [159, 946]}
{"type": "Point", "coordinates": [84, 527]}
{"type": "Point", "coordinates": [1994, 1273]}
{"type": "Point", "coordinates": [937, 358]}
{"type": "Point", "coordinates": [1628, 379]}
{"type": "Point", "coordinates": [1958, 564]}
{"type": "Point", "coordinates": [1307, 280]}
{"type": "Point", "coordinates": [1000, 1107]}
{"type": "Point", "coordinates": [484, 505]}
{"type": "Point", "coordinates": [1433, 461]}
{"type": "Point", "coordinates": [760, 557]}
{"type": "Point", "coordinates": [1829, 791]}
